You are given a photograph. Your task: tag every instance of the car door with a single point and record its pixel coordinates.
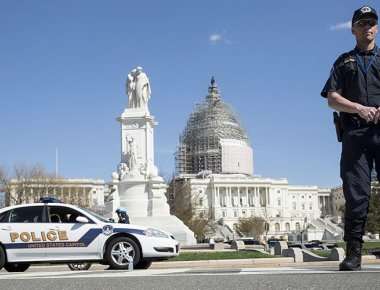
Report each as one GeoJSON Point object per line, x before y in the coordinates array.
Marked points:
{"type": "Point", "coordinates": [76, 240]}
{"type": "Point", "coordinates": [22, 233]}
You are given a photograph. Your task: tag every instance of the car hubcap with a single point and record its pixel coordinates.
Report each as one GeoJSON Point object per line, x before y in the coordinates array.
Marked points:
{"type": "Point", "coordinates": [122, 252]}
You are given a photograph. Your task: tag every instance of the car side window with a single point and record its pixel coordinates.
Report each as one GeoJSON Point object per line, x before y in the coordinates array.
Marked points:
{"type": "Point", "coordinates": [28, 214]}
{"type": "Point", "coordinates": [4, 217]}
{"type": "Point", "coordinates": [63, 214]}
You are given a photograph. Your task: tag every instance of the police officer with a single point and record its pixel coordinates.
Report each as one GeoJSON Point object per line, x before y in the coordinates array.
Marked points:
{"type": "Point", "coordinates": [123, 216]}
{"type": "Point", "coordinates": [353, 89]}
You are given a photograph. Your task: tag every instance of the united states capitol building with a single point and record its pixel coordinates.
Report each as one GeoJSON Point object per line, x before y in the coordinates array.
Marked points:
{"type": "Point", "coordinates": [215, 159]}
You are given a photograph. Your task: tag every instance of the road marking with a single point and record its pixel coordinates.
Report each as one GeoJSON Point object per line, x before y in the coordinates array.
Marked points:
{"type": "Point", "coordinates": [179, 272]}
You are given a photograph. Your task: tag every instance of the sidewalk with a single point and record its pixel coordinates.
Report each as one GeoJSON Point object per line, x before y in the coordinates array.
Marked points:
{"type": "Point", "coordinates": [251, 263]}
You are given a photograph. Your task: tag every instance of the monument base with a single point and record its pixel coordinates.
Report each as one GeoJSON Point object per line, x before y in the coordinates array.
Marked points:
{"type": "Point", "coordinates": [147, 205]}
{"type": "Point", "coordinates": [171, 224]}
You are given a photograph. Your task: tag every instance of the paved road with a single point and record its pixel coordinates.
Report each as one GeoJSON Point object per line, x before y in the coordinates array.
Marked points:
{"type": "Point", "coordinates": [248, 278]}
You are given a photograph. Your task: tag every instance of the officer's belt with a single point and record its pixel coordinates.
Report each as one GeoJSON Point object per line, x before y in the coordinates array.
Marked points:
{"type": "Point", "coordinates": [354, 121]}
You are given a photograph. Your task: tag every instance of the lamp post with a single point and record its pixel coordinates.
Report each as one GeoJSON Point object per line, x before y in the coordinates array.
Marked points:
{"type": "Point", "coordinates": [304, 227]}
{"type": "Point", "coordinates": [266, 225]}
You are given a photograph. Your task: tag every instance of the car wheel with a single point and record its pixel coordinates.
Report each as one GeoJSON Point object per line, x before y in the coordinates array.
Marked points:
{"type": "Point", "coordinates": [79, 266]}
{"type": "Point", "coordinates": [143, 264]}
{"type": "Point", "coordinates": [120, 251]}
{"type": "Point", "coordinates": [16, 267]}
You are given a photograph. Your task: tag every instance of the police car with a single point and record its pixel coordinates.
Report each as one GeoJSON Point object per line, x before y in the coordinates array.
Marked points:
{"type": "Point", "coordinates": [53, 232]}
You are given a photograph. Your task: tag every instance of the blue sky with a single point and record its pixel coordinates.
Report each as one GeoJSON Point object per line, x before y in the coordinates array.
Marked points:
{"type": "Point", "coordinates": [63, 66]}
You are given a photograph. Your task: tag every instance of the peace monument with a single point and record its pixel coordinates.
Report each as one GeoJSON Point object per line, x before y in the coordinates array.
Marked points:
{"type": "Point", "coordinates": [137, 185]}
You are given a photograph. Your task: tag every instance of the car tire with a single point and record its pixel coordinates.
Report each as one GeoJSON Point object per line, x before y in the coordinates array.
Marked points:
{"type": "Point", "coordinates": [16, 267]}
{"type": "Point", "coordinates": [2, 257]}
{"type": "Point", "coordinates": [119, 249]}
{"type": "Point", "coordinates": [79, 266]}
{"type": "Point", "coordinates": [143, 264]}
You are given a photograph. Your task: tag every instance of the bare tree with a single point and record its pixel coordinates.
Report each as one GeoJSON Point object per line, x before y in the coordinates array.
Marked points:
{"type": "Point", "coordinates": [28, 184]}
{"type": "Point", "coordinates": [252, 226]}
{"type": "Point", "coordinates": [183, 205]}
{"type": "Point", "coordinates": [4, 183]}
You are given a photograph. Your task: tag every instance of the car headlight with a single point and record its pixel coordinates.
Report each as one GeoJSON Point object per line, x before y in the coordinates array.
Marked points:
{"type": "Point", "coordinates": [155, 233]}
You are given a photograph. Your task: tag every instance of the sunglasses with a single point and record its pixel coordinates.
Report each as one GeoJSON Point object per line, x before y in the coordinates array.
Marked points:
{"type": "Point", "coordinates": [365, 22]}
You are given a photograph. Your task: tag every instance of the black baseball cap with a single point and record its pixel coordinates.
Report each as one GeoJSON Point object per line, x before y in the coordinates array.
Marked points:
{"type": "Point", "coordinates": [363, 13]}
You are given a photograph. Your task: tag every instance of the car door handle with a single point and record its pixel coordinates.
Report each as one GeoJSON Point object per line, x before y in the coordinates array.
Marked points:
{"type": "Point", "coordinates": [6, 228]}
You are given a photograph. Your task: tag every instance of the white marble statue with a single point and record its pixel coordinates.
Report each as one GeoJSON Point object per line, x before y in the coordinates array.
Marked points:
{"type": "Point", "coordinates": [138, 89]}
{"type": "Point", "coordinates": [131, 154]}
{"type": "Point", "coordinates": [122, 170]}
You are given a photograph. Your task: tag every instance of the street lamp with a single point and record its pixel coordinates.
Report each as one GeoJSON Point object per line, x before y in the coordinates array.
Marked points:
{"type": "Point", "coordinates": [304, 227]}
{"type": "Point", "coordinates": [266, 226]}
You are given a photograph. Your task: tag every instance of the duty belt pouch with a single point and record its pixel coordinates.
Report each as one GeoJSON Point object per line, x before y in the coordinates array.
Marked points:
{"type": "Point", "coordinates": [338, 126]}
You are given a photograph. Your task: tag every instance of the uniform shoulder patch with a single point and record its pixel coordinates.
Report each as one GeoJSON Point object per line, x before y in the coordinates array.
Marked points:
{"type": "Point", "coordinates": [344, 59]}
{"type": "Point", "coordinates": [349, 59]}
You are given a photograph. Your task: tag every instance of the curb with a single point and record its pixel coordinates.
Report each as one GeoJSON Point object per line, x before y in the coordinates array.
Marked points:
{"type": "Point", "coordinates": [264, 262]}
{"type": "Point", "coordinates": [224, 263]}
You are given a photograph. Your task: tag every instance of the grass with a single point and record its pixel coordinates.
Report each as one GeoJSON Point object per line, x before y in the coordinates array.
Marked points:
{"type": "Point", "coordinates": [322, 253]}
{"type": "Point", "coordinates": [199, 256]}
{"type": "Point", "coordinates": [366, 246]}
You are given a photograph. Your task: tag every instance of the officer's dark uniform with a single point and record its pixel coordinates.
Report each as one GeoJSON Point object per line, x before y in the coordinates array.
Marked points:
{"type": "Point", "coordinates": [356, 75]}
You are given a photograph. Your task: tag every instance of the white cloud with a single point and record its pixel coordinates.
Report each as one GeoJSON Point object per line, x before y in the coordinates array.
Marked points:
{"type": "Point", "coordinates": [215, 38]}
{"type": "Point", "coordinates": [341, 26]}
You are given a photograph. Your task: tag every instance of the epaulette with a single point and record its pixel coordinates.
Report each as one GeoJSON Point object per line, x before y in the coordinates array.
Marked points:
{"type": "Point", "coordinates": [345, 58]}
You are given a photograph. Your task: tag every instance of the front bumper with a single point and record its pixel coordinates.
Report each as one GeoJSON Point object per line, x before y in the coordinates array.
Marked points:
{"type": "Point", "coordinates": [159, 247]}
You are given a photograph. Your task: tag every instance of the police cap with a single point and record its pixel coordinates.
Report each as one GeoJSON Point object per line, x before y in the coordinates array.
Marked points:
{"type": "Point", "coordinates": [363, 13]}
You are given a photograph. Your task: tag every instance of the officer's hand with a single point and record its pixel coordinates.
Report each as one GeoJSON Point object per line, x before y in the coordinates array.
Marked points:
{"type": "Point", "coordinates": [377, 116]}
{"type": "Point", "coordinates": [367, 113]}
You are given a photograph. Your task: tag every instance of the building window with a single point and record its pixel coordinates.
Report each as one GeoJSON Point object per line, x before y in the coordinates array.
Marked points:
{"type": "Point", "coordinates": [201, 201]}
{"type": "Point", "coordinates": [287, 227]}
{"type": "Point", "coordinates": [294, 205]}
{"type": "Point", "coordinates": [244, 213]}
{"type": "Point", "coordinates": [298, 227]}
{"type": "Point", "coordinates": [277, 227]}
{"type": "Point", "coordinates": [250, 199]}
{"type": "Point", "coordinates": [235, 213]}
{"type": "Point", "coordinates": [263, 197]}
{"type": "Point", "coordinates": [224, 214]}
{"type": "Point", "coordinates": [311, 206]}
{"type": "Point", "coordinates": [222, 199]}
{"type": "Point", "coordinates": [279, 202]}
{"type": "Point", "coordinates": [303, 206]}
{"type": "Point", "coordinates": [302, 196]}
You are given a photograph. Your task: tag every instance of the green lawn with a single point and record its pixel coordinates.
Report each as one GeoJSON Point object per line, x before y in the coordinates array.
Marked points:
{"type": "Point", "coordinates": [188, 256]}
{"type": "Point", "coordinates": [366, 246]}
{"type": "Point", "coordinates": [322, 253]}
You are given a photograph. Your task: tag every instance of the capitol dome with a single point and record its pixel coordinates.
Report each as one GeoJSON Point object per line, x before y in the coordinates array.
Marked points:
{"type": "Point", "coordinates": [213, 140]}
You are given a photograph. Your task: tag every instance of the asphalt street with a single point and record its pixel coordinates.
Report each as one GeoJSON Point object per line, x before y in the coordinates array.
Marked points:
{"type": "Point", "coordinates": [59, 277]}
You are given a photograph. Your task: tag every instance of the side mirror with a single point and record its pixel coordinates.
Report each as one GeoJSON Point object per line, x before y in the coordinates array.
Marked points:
{"type": "Point", "coordinates": [82, 220]}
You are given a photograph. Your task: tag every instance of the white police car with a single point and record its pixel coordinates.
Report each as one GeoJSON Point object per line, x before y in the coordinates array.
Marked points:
{"type": "Point", "coordinates": [62, 233]}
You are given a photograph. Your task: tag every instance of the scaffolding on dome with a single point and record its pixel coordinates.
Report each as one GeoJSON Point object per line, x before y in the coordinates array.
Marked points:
{"type": "Point", "coordinates": [199, 146]}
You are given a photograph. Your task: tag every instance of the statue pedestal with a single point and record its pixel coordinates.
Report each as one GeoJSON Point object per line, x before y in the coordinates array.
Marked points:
{"type": "Point", "coordinates": [169, 223]}
{"type": "Point", "coordinates": [147, 205]}
{"type": "Point", "coordinates": [140, 190]}
{"type": "Point", "coordinates": [133, 195]}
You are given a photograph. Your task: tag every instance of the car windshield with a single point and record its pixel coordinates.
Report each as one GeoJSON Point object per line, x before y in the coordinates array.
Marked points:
{"type": "Point", "coordinates": [98, 216]}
